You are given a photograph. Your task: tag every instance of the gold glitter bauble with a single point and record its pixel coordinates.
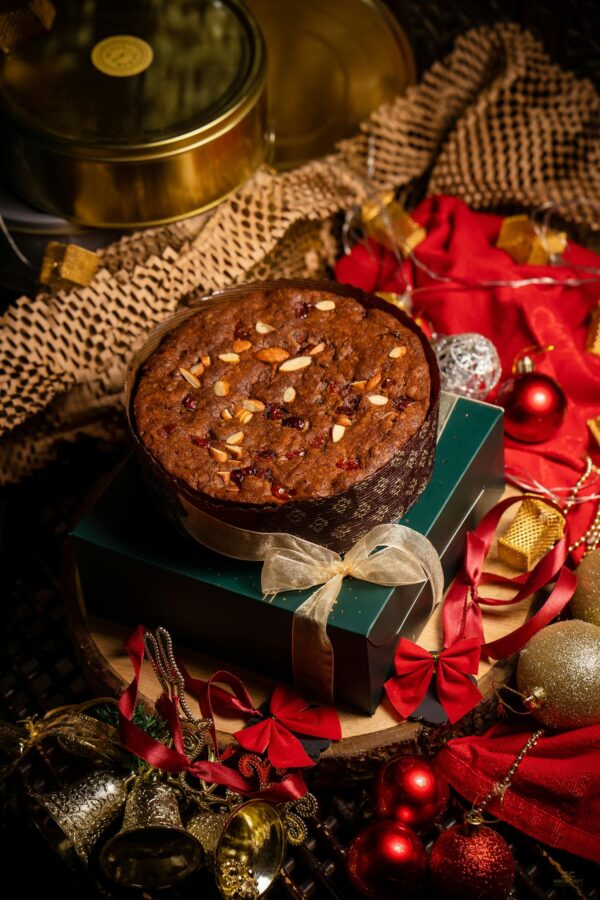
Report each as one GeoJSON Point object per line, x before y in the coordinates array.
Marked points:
{"type": "Point", "coordinates": [563, 661]}
{"type": "Point", "coordinates": [585, 604]}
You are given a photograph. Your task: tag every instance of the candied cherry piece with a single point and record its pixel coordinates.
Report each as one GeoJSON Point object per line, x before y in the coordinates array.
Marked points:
{"type": "Point", "coordinates": [295, 454]}
{"type": "Point", "coordinates": [166, 430]}
{"type": "Point", "coordinates": [280, 492]}
{"type": "Point", "coordinates": [265, 453]}
{"type": "Point", "coordinates": [238, 475]}
{"type": "Point", "coordinates": [349, 464]}
{"type": "Point", "coordinates": [301, 310]}
{"type": "Point", "coordinates": [275, 411]}
{"type": "Point", "coordinates": [400, 403]}
{"type": "Point", "coordinates": [317, 441]}
{"type": "Point", "coordinates": [199, 441]}
{"type": "Point", "coordinates": [296, 422]}
{"type": "Point", "coordinates": [241, 333]}
{"type": "Point", "coordinates": [349, 406]}
{"type": "Point", "coordinates": [189, 402]}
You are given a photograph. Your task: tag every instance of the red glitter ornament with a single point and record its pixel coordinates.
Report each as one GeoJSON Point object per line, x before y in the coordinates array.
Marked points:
{"type": "Point", "coordinates": [471, 863]}
{"type": "Point", "coordinates": [409, 790]}
{"type": "Point", "coordinates": [386, 861]}
{"type": "Point", "coordinates": [534, 404]}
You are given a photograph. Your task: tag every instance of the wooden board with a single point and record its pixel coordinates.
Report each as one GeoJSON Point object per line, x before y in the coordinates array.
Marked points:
{"type": "Point", "coordinates": [367, 740]}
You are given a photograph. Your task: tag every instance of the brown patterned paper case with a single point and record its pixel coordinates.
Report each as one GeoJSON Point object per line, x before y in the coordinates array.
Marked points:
{"type": "Point", "coordinates": [335, 522]}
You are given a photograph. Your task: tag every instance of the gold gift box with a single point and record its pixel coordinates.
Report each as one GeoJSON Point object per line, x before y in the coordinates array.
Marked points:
{"type": "Point", "coordinates": [157, 121]}
{"type": "Point", "coordinates": [520, 240]}
{"type": "Point", "coordinates": [592, 344]}
{"type": "Point", "coordinates": [535, 529]}
{"type": "Point", "coordinates": [388, 223]}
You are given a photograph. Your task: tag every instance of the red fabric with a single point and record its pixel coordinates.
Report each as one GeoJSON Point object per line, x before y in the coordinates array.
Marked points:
{"type": "Point", "coordinates": [460, 244]}
{"type": "Point", "coordinates": [289, 713]}
{"type": "Point", "coordinates": [415, 668]}
{"type": "Point", "coordinates": [554, 795]}
{"type": "Point", "coordinates": [462, 616]}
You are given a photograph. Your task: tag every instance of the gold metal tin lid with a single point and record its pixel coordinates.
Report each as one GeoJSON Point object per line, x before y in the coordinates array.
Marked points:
{"type": "Point", "coordinates": [134, 79]}
{"type": "Point", "coordinates": [331, 63]}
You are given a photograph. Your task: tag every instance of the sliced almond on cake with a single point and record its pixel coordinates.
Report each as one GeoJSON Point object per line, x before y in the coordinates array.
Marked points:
{"type": "Point", "coordinates": [189, 377]}
{"type": "Point", "coordinates": [325, 305]}
{"type": "Point", "coordinates": [289, 395]}
{"type": "Point", "coordinates": [232, 358]}
{"type": "Point", "coordinates": [217, 454]}
{"type": "Point", "coordinates": [263, 328]}
{"type": "Point", "coordinates": [241, 346]}
{"type": "Point", "coordinates": [397, 352]}
{"type": "Point", "coordinates": [235, 438]}
{"type": "Point", "coordinates": [221, 388]}
{"type": "Point", "coordinates": [253, 405]}
{"type": "Point", "coordinates": [298, 362]}
{"type": "Point", "coordinates": [272, 355]}
{"type": "Point", "coordinates": [337, 433]}
{"type": "Point", "coordinates": [378, 400]}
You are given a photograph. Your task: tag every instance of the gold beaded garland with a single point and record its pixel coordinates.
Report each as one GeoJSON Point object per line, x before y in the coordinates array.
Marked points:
{"type": "Point", "coordinates": [585, 604]}
{"type": "Point", "coordinates": [560, 667]}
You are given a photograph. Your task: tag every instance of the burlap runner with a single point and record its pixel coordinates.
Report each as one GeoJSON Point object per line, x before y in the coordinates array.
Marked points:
{"type": "Point", "coordinates": [495, 123]}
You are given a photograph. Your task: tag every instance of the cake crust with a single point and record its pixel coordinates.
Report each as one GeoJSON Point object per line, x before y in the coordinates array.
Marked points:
{"type": "Point", "coordinates": [290, 394]}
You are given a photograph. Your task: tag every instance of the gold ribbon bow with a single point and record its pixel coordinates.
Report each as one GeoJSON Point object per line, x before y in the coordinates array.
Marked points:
{"type": "Point", "coordinates": [290, 563]}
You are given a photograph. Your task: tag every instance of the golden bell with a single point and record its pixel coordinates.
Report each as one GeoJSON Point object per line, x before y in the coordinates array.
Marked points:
{"type": "Point", "coordinates": [152, 849]}
{"type": "Point", "coordinates": [80, 813]}
{"type": "Point", "coordinates": [244, 847]}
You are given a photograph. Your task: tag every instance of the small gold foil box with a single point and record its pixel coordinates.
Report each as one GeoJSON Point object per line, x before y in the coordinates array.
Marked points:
{"type": "Point", "coordinates": [65, 265]}
{"type": "Point", "coordinates": [594, 426]}
{"type": "Point", "coordinates": [389, 224]}
{"type": "Point", "coordinates": [519, 239]}
{"type": "Point", "coordinates": [592, 344]}
{"type": "Point", "coordinates": [535, 529]}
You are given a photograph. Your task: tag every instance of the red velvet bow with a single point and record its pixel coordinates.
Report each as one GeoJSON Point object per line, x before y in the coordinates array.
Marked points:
{"type": "Point", "coordinates": [173, 759]}
{"type": "Point", "coordinates": [415, 667]}
{"type": "Point", "coordinates": [289, 713]}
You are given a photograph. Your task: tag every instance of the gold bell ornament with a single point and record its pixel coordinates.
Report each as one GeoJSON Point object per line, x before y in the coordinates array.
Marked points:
{"type": "Point", "coordinates": [152, 849]}
{"type": "Point", "coordinates": [244, 847]}
{"type": "Point", "coordinates": [75, 817]}
{"type": "Point", "coordinates": [559, 675]}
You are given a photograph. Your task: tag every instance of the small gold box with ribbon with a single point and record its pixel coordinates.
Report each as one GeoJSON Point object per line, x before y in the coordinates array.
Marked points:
{"type": "Point", "coordinates": [388, 223]}
{"type": "Point", "coordinates": [525, 245]}
{"type": "Point", "coordinates": [535, 529]}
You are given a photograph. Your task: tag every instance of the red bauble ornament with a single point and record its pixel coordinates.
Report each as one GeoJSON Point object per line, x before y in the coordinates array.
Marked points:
{"type": "Point", "coordinates": [534, 404]}
{"type": "Point", "coordinates": [471, 864]}
{"type": "Point", "coordinates": [386, 860]}
{"type": "Point", "coordinates": [409, 790]}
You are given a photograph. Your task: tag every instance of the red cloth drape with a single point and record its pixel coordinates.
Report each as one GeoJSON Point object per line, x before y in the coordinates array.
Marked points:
{"type": "Point", "coordinates": [460, 244]}
{"type": "Point", "coordinates": [555, 793]}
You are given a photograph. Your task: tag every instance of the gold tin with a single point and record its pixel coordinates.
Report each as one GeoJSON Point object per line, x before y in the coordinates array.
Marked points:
{"type": "Point", "coordinates": [136, 113]}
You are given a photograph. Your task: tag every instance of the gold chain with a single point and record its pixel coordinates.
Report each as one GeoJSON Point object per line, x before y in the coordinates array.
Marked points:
{"type": "Point", "coordinates": [591, 538]}
{"type": "Point", "coordinates": [475, 815]}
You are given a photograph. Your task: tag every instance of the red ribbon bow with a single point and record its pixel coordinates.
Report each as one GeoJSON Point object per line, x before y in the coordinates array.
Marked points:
{"type": "Point", "coordinates": [173, 759]}
{"type": "Point", "coordinates": [415, 667]}
{"type": "Point", "coordinates": [289, 713]}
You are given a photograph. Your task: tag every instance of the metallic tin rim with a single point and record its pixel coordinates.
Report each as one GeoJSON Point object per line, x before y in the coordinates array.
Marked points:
{"type": "Point", "coordinates": [253, 88]}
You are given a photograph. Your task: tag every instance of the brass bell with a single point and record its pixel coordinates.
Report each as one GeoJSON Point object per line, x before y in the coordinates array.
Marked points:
{"type": "Point", "coordinates": [78, 815]}
{"type": "Point", "coordinates": [244, 847]}
{"type": "Point", "coordinates": [152, 849]}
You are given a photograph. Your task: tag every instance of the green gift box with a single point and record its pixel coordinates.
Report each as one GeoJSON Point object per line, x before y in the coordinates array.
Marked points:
{"type": "Point", "coordinates": [134, 567]}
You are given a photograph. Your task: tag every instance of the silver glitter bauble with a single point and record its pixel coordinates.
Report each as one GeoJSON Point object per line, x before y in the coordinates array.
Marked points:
{"type": "Point", "coordinates": [560, 667]}
{"type": "Point", "coordinates": [585, 604]}
{"type": "Point", "coordinates": [469, 364]}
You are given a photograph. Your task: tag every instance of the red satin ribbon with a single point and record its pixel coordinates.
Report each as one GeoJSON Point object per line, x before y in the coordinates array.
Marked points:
{"type": "Point", "coordinates": [415, 668]}
{"type": "Point", "coordinates": [173, 759]}
{"type": "Point", "coordinates": [462, 617]}
{"type": "Point", "coordinates": [288, 712]}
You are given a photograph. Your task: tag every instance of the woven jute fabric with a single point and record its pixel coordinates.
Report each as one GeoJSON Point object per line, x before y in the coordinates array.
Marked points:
{"type": "Point", "coordinates": [495, 123]}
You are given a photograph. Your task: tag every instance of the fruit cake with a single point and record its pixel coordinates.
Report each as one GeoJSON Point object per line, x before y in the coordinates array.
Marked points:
{"type": "Point", "coordinates": [283, 395]}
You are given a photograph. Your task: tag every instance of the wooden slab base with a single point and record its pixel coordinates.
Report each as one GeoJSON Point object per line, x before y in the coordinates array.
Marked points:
{"type": "Point", "coordinates": [367, 740]}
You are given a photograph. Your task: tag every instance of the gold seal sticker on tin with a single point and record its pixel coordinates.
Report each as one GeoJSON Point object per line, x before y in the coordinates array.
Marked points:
{"type": "Point", "coordinates": [122, 55]}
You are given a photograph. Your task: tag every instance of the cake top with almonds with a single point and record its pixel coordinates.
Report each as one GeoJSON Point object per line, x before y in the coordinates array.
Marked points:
{"type": "Point", "coordinates": [283, 395]}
